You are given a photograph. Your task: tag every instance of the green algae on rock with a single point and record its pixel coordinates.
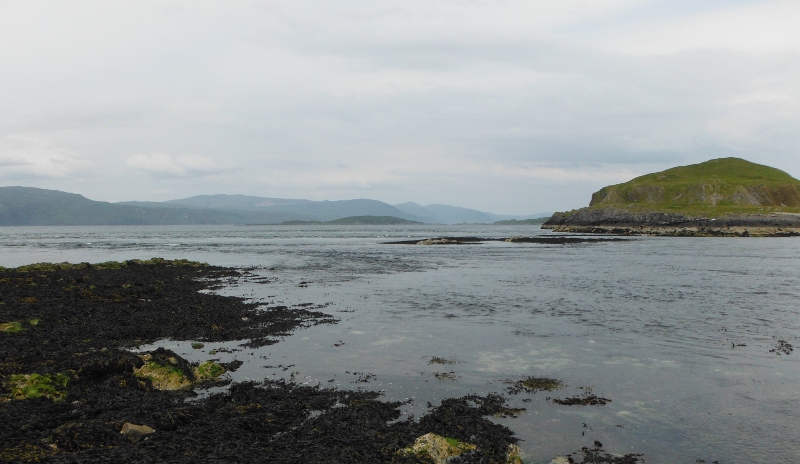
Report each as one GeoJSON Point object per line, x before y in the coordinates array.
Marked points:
{"type": "Point", "coordinates": [164, 377]}
{"type": "Point", "coordinates": [208, 370]}
{"type": "Point", "coordinates": [436, 448]}
{"type": "Point", "coordinates": [31, 386]}
{"type": "Point", "coordinates": [11, 327]}
{"type": "Point", "coordinates": [439, 450]}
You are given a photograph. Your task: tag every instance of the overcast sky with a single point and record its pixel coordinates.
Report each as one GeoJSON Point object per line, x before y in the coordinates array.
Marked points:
{"type": "Point", "coordinates": [504, 106]}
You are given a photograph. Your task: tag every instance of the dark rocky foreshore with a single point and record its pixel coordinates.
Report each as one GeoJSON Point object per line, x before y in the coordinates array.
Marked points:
{"type": "Point", "coordinates": [612, 220]}
{"type": "Point", "coordinates": [547, 240]}
{"type": "Point", "coordinates": [72, 391]}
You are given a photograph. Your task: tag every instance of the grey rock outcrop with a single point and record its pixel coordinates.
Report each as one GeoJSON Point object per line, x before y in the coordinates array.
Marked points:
{"type": "Point", "coordinates": [627, 222]}
{"type": "Point", "coordinates": [135, 432]}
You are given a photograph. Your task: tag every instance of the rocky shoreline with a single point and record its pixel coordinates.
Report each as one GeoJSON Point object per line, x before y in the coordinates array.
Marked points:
{"type": "Point", "coordinates": [73, 390]}
{"type": "Point", "coordinates": [619, 221]}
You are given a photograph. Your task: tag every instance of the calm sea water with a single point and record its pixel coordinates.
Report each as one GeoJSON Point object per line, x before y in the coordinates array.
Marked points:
{"type": "Point", "coordinates": [654, 324]}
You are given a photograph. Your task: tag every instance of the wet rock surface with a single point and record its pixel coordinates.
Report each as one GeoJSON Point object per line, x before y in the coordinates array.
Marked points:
{"type": "Point", "coordinates": [585, 398]}
{"type": "Point", "coordinates": [436, 448]}
{"type": "Point", "coordinates": [136, 432]}
{"type": "Point", "coordinates": [76, 323]}
{"type": "Point", "coordinates": [596, 454]}
{"type": "Point", "coordinates": [782, 347]}
{"type": "Point", "coordinates": [582, 400]}
{"type": "Point", "coordinates": [547, 240]}
{"type": "Point", "coordinates": [532, 385]}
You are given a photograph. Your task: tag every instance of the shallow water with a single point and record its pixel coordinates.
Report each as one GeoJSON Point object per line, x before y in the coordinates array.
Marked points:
{"type": "Point", "coordinates": [649, 323]}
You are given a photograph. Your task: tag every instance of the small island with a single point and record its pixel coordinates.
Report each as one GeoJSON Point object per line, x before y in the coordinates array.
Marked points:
{"type": "Point", "coordinates": [357, 221]}
{"type": "Point", "coordinates": [521, 222]}
{"type": "Point", "coordinates": [726, 197]}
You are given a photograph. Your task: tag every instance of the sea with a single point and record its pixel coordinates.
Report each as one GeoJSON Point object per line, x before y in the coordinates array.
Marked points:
{"type": "Point", "coordinates": [692, 340]}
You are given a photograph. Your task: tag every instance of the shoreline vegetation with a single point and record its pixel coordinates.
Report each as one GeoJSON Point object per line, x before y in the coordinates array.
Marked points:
{"type": "Point", "coordinates": [727, 197]}
{"type": "Point", "coordinates": [73, 388]}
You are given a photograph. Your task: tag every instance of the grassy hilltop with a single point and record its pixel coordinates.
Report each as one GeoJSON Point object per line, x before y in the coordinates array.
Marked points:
{"type": "Point", "coordinates": [713, 188]}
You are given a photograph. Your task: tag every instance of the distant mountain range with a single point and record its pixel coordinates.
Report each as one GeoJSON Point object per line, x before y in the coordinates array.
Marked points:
{"type": "Point", "coordinates": [34, 206]}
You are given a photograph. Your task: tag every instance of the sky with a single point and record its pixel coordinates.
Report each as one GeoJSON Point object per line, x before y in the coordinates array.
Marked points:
{"type": "Point", "coordinates": [505, 106]}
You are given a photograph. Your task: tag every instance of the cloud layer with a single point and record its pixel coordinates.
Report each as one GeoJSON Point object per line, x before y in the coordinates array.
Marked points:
{"type": "Point", "coordinates": [509, 106]}
{"type": "Point", "coordinates": [162, 164]}
{"type": "Point", "coordinates": [26, 157]}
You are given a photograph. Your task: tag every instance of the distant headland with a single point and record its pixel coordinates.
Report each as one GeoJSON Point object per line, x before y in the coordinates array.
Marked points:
{"type": "Point", "coordinates": [721, 197]}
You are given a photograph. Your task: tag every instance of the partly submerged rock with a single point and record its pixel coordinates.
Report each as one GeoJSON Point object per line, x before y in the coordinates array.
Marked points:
{"type": "Point", "coordinates": [438, 241]}
{"type": "Point", "coordinates": [514, 454]}
{"type": "Point", "coordinates": [166, 376]}
{"type": "Point", "coordinates": [208, 370]}
{"type": "Point", "coordinates": [560, 460]}
{"type": "Point", "coordinates": [168, 371]}
{"type": "Point", "coordinates": [613, 220]}
{"type": "Point", "coordinates": [437, 448]}
{"type": "Point", "coordinates": [136, 432]}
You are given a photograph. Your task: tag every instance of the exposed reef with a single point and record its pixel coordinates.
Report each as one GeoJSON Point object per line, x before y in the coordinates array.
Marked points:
{"type": "Point", "coordinates": [71, 390]}
{"type": "Point", "coordinates": [619, 221]}
{"type": "Point", "coordinates": [542, 240]}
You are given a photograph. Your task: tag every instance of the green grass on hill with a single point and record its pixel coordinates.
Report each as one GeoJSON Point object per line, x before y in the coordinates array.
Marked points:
{"type": "Point", "coordinates": [716, 187]}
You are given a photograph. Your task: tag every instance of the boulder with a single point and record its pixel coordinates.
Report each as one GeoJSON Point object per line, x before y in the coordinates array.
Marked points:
{"type": "Point", "coordinates": [437, 448]}
{"type": "Point", "coordinates": [136, 432]}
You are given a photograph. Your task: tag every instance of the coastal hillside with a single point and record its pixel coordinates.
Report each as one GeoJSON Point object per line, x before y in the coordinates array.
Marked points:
{"type": "Point", "coordinates": [319, 211]}
{"type": "Point", "coordinates": [233, 202]}
{"type": "Point", "coordinates": [715, 186]}
{"type": "Point", "coordinates": [28, 206]}
{"type": "Point", "coordinates": [720, 197]}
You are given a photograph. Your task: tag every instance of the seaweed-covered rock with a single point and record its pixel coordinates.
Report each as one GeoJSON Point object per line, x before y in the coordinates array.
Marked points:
{"type": "Point", "coordinates": [437, 448]}
{"type": "Point", "coordinates": [88, 314]}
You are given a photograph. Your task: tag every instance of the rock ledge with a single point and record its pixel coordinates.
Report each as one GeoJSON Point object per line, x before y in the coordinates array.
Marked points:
{"type": "Point", "coordinates": [625, 222]}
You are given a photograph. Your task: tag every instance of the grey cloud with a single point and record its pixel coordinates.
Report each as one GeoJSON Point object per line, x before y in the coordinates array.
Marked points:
{"type": "Point", "coordinates": [163, 164]}
{"type": "Point", "coordinates": [23, 156]}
